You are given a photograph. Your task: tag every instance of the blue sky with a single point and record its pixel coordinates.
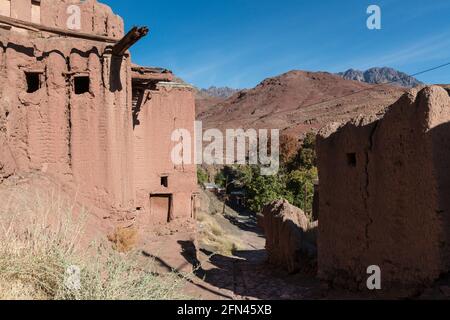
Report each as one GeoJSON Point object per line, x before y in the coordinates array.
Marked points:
{"type": "Point", "coordinates": [238, 43]}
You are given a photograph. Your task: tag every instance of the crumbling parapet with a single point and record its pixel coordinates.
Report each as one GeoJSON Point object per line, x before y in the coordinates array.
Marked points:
{"type": "Point", "coordinates": [88, 17]}
{"type": "Point", "coordinates": [384, 186]}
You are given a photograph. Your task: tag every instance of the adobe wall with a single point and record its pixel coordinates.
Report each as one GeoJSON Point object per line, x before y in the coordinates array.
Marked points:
{"type": "Point", "coordinates": [163, 110]}
{"type": "Point", "coordinates": [87, 140]}
{"type": "Point", "coordinates": [84, 140]}
{"type": "Point", "coordinates": [384, 186]}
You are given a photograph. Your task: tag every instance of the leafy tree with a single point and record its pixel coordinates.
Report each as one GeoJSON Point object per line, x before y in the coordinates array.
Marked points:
{"type": "Point", "coordinates": [221, 179]}
{"type": "Point", "coordinates": [306, 156]}
{"type": "Point", "coordinates": [262, 190]}
{"type": "Point", "coordinates": [300, 183]}
{"type": "Point", "coordinates": [289, 146]}
{"type": "Point", "coordinates": [294, 182]}
{"type": "Point", "coordinates": [202, 176]}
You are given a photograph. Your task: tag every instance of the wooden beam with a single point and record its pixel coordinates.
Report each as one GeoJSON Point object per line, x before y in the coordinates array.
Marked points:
{"type": "Point", "coordinates": [152, 77]}
{"type": "Point", "coordinates": [133, 36]}
{"type": "Point", "coordinates": [63, 32]}
{"type": "Point", "coordinates": [144, 70]}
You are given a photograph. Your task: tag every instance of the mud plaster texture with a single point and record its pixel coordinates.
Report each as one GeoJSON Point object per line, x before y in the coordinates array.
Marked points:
{"type": "Point", "coordinates": [89, 141]}
{"type": "Point", "coordinates": [384, 195]}
{"type": "Point", "coordinates": [288, 240]}
{"type": "Point", "coordinates": [161, 111]}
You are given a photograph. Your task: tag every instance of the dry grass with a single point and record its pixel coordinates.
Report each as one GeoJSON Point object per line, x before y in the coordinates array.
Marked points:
{"type": "Point", "coordinates": [40, 241]}
{"type": "Point", "coordinates": [124, 239]}
{"type": "Point", "coordinates": [211, 232]}
{"type": "Point", "coordinates": [212, 235]}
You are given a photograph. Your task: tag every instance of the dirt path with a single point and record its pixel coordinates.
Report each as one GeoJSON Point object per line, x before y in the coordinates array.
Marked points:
{"type": "Point", "coordinates": [246, 275]}
{"type": "Point", "coordinates": [242, 276]}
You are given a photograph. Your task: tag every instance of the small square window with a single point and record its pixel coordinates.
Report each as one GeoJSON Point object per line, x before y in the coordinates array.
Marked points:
{"type": "Point", "coordinates": [165, 182]}
{"type": "Point", "coordinates": [33, 81]}
{"type": "Point", "coordinates": [81, 84]}
{"type": "Point", "coordinates": [351, 159]}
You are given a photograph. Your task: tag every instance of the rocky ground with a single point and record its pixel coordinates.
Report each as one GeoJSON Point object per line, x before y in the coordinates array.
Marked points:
{"type": "Point", "coordinates": [241, 275]}
{"type": "Point", "coordinates": [245, 274]}
{"type": "Point", "coordinates": [205, 267]}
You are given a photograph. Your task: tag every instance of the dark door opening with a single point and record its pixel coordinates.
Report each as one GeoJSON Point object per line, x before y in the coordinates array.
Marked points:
{"type": "Point", "coordinates": [160, 208]}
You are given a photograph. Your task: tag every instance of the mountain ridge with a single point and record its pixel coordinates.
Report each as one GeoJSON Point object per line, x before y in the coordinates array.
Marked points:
{"type": "Point", "coordinates": [218, 92]}
{"type": "Point", "coordinates": [381, 75]}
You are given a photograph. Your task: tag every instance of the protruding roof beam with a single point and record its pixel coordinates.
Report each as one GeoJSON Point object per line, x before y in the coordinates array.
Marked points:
{"type": "Point", "coordinates": [133, 36]}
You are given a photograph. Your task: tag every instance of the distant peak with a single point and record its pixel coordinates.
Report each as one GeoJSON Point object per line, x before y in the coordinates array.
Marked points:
{"type": "Point", "coordinates": [218, 92]}
{"type": "Point", "coordinates": [377, 75]}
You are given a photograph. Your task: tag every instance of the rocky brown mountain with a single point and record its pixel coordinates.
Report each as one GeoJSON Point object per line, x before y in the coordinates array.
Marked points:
{"type": "Point", "coordinates": [297, 102]}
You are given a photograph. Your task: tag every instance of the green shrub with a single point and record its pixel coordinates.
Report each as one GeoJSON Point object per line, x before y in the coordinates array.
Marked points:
{"type": "Point", "coordinates": [202, 176]}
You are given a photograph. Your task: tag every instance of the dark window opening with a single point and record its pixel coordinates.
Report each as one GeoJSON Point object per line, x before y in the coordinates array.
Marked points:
{"type": "Point", "coordinates": [33, 81]}
{"type": "Point", "coordinates": [81, 84]}
{"type": "Point", "coordinates": [165, 182]}
{"type": "Point", "coordinates": [351, 159]}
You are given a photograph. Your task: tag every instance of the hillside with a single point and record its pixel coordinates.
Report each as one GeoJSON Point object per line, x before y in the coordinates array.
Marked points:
{"type": "Point", "coordinates": [297, 102]}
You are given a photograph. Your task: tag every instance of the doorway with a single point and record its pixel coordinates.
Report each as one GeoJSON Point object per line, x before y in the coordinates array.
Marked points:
{"type": "Point", "coordinates": [160, 208]}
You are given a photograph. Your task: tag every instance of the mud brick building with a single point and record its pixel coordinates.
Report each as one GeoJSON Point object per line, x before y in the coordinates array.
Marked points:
{"type": "Point", "coordinates": [72, 105]}
{"type": "Point", "coordinates": [384, 194]}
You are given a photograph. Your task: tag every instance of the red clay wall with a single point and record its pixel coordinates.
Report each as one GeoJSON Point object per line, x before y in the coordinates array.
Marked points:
{"type": "Point", "coordinates": [390, 208]}
{"type": "Point", "coordinates": [164, 110]}
{"type": "Point", "coordinates": [84, 140]}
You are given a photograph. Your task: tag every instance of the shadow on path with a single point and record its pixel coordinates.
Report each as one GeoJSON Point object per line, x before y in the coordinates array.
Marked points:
{"type": "Point", "coordinates": [183, 276]}
{"type": "Point", "coordinates": [246, 220]}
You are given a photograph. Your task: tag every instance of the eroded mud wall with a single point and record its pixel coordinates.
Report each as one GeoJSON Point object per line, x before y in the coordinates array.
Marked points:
{"type": "Point", "coordinates": [163, 111]}
{"type": "Point", "coordinates": [78, 131]}
{"type": "Point", "coordinates": [384, 194]}
{"type": "Point", "coordinates": [66, 110]}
